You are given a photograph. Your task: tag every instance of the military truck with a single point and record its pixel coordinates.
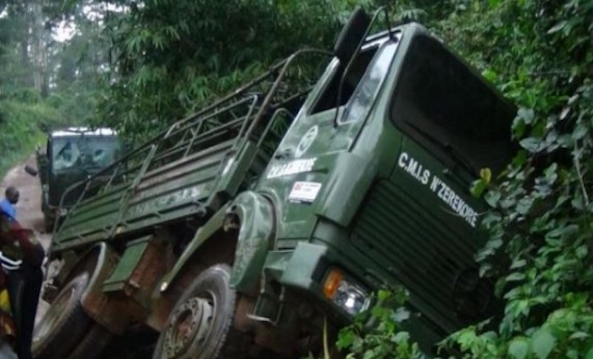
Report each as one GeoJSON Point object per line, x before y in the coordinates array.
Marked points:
{"type": "Point", "coordinates": [239, 231]}
{"type": "Point", "coordinates": [71, 155]}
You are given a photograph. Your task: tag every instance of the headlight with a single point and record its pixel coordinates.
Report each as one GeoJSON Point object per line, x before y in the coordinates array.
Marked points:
{"type": "Point", "coordinates": [344, 293]}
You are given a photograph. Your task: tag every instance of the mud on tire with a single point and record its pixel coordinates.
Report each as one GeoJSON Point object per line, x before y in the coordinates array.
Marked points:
{"type": "Point", "coordinates": [64, 324]}
{"type": "Point", "coordinates": [201, 323]}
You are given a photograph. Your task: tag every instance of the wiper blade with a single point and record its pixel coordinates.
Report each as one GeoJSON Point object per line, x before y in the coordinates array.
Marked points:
{"type": "Point", "coordinates": [458, 157]}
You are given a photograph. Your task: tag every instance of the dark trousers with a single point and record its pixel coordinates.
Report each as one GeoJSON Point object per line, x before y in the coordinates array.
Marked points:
{"type": "Point", "coordinates": [24, 287]}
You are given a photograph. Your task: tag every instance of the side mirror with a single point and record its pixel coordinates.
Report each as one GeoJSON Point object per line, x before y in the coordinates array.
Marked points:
{"type": "Point", "coordinates": [351, 35]}
{"type": "Point", "coordinates": [30, 170]}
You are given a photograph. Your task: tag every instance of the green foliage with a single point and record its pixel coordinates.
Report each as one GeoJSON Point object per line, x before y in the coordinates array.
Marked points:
{"type": "Point", "coordinates": [539, 54]}
{"type": "Point", "coordinates": [379, 332]}
{"type": "Point", "coordinates": [171, 57]}
{"type": "Point", "coordinates": [386, 337]}
{"type": "Point", "coordinates": [45, 83]}
{"type": "Point", "coordinates": [20, 131]}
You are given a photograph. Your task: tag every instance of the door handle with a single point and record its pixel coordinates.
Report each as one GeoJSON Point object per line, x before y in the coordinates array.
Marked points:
{"type": "Point", "coordinates": [283, 154]}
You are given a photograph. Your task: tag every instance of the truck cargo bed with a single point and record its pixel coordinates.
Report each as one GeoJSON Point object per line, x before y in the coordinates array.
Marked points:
{"type": "Point", "coordinates": [187, 172]}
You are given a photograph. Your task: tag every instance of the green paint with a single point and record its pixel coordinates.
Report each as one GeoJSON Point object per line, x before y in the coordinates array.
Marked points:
{"type": "Point", "coordinates": [255, 235]}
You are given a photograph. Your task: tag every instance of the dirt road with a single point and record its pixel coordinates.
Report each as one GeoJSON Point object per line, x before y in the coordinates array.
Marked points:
{"type": "Point", "coordinates": [29, 206]}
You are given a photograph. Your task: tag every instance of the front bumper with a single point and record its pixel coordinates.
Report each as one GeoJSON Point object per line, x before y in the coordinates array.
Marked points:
{"type": "Point", "coordinates": [309, 270]}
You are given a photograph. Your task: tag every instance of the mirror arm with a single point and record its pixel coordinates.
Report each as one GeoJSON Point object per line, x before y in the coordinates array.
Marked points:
{"type": "Point", "coordinates": [388, 23]}
{"type": "Point", "coordinates": [355, 55]}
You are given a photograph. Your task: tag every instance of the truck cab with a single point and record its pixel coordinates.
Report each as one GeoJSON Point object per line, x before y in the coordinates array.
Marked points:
{"type": "Point", "coordinates": [72, 155]}
{"type": "Point", "coordinates": [370, 185]}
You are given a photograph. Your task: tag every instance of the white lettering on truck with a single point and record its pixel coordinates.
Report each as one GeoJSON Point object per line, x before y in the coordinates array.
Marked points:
{"type": "Point", "coordinates": [414, 168]}
{"type": "Point", "coordinates": [291, 168]}
{"type": "Point", "coordinates": [442, 190]}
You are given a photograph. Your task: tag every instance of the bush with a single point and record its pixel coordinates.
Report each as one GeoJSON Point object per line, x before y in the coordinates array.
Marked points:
{"type": "Point", "coordinates": [20, 130]}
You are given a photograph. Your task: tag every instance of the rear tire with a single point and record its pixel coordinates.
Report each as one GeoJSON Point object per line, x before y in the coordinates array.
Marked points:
{"type": "Point", "coordinates": [201, 323]}
{"type": "Point", "coordinates": [64, 324]}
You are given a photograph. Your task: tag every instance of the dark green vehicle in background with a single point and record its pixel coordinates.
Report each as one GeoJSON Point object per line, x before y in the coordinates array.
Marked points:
{"type": "Point", "coordinates": [236, 231]}
{"type": "Point", "coordinates": [71, 155]}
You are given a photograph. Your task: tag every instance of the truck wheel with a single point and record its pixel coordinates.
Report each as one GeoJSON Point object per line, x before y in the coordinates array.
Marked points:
{"type": "Point", "coordinates": [201, 323]}
{"type": "Point", "coordinates": [64, 324]}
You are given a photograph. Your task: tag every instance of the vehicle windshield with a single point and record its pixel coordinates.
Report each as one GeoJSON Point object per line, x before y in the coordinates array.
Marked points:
{"type": "Point", "coordinates": [448, 109]}
{"type": "Point", "coordinates": [85, 151]}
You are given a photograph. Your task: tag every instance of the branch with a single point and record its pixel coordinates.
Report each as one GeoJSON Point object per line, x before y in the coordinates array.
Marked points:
{"type": "Point", "coordinates": [577, 164]}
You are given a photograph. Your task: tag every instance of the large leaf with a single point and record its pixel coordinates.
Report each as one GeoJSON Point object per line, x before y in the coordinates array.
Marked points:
{"type": "Point", "coordinates": [543, 342]}
{"type": "Point", "coordinates": [519, 348]}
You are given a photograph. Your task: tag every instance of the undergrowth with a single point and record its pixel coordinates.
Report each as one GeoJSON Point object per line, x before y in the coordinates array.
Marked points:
{"type": "Point", "coordinates": [20, 130]}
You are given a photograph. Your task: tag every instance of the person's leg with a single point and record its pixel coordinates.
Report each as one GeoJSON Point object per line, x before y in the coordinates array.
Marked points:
{"type": "Point", "coordinates": [24, 287]}
{"type": "Point", "coordinates": [15, 282]}
{"type": "Point", "coordinates": [32, 290]}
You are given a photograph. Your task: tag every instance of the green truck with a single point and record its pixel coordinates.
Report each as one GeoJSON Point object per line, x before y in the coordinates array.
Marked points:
{"type": "Point", "coordinates": [71, 155]}
{"type": "Point", "coordinates": [236, 231]}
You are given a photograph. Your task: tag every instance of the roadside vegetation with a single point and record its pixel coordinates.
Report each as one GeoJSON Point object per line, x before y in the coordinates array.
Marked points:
{"type": "Point", "coordinates": [44, 82]}
{"type": "Point", "coordinates": [20, 131]}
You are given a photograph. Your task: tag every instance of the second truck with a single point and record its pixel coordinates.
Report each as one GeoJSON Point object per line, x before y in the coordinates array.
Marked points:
{"type": "Point", "coordinates": [71, 155]}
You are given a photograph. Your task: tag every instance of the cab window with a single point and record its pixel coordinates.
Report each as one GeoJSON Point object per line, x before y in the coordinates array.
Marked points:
{"type": "Point", "coordinates": [329, 96]}
{"type": "Point", "coordinates": [371, 83]}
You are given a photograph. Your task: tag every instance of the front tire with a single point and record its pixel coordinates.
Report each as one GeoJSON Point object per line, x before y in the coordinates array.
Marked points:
{"type": "Point", "coordinates": [201, 323]}
{"type": "Point", "coordinates": [64, 324]}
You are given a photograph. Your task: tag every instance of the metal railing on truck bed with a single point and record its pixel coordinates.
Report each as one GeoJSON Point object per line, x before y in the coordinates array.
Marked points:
{"type": "Point", "coordinates": [191, 169]}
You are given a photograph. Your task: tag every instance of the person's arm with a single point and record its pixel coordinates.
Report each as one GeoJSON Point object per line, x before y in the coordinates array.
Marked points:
{"type": "Point", "coordinates": [18, 243]}
{"type": "Point", "coordinates": [32, 251]}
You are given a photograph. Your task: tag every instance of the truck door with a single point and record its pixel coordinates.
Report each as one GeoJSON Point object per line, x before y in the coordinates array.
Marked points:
{"type": "Point", "coordinates": [325, 127]}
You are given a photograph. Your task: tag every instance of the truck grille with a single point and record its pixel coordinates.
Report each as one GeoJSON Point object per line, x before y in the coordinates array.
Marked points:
{"type": "Point", "coordinates": [421, 250]}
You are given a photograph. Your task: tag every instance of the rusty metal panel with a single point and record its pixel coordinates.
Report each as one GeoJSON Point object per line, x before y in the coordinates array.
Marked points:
{"type": "Point", "coordinates": [132, 255]}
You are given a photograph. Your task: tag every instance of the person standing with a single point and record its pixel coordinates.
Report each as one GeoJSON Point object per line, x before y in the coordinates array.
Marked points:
{"type": "Point", "coordinates": [11, 198]}
{"type": "Point", "coordinates": [21, 257]}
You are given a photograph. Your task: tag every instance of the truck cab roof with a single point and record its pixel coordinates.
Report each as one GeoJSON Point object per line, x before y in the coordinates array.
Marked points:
{"type": "Point", "coordinates": [87, 131]}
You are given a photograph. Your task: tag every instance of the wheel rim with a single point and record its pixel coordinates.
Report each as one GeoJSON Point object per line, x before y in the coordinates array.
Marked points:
{"type": "Point", "coordinates": [189, 327]}
{"type": "Point", "coordinates": [53, 315]}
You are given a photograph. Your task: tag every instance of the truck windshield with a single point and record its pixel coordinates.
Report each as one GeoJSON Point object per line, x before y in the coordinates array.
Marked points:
{"type": "Point", "coordinates": [87, 152]}
{"type": "Point", "coordinates": [447, 108]}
